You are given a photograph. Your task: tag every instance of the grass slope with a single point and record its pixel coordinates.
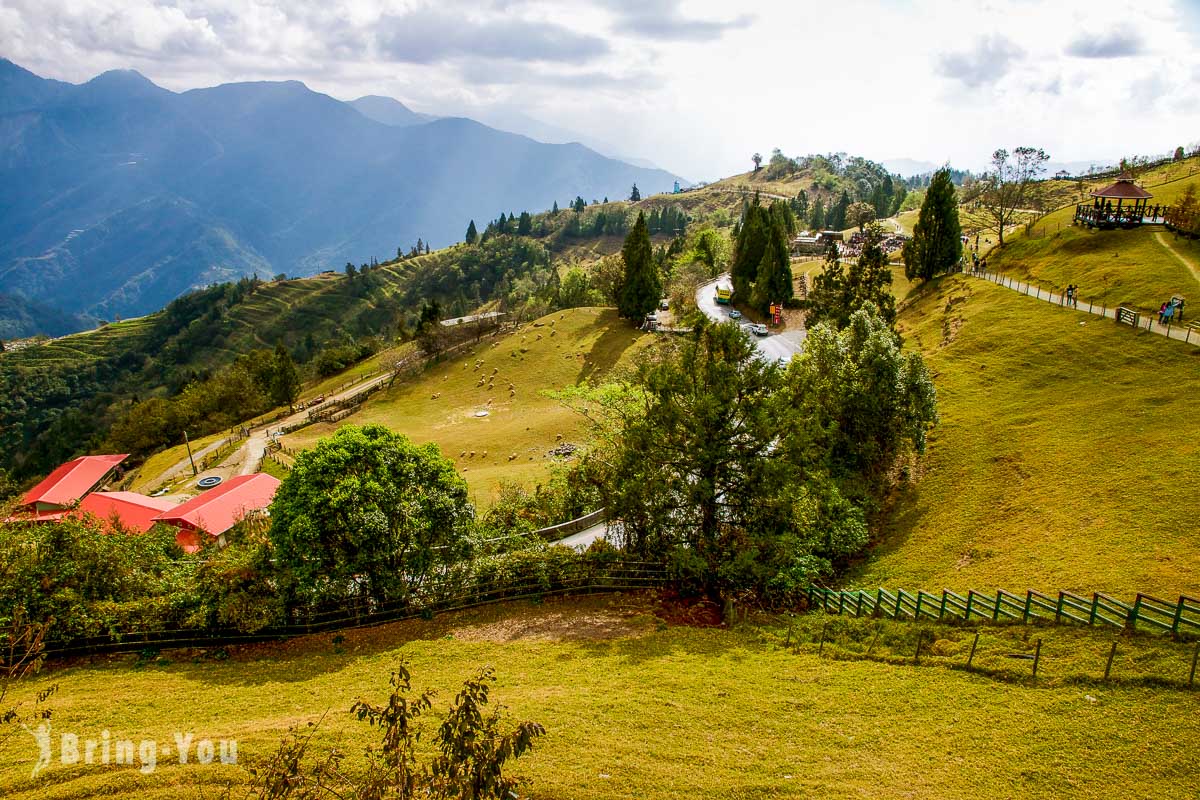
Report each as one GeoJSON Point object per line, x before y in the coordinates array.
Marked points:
{"type": "Point", "coordinates": [638, 708]}
{"type": "Point", "coordinates": [1066, 457]}
{"type": "Point", "coordinates": [559, 350]}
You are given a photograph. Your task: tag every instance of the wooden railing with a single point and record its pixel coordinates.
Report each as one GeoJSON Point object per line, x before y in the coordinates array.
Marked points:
{"type": "Point", "coordinates": [1145, 613]}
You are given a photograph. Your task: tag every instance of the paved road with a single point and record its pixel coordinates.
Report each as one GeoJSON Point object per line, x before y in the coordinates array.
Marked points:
{"type": "Point", "coordinates": [776, 347]}
{"type": "Point", "coordinates": [583, 540]}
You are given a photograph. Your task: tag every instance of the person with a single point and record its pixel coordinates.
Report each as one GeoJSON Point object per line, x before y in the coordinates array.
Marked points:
{"type": "Point", "coordinates": [1162, 312]}
{"type": "Point", "coordinates": [1179, 308]}
{"type": "Point", "coordinates": [1168, 313]}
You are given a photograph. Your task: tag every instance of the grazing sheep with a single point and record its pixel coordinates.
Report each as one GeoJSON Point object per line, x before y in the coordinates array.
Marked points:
{"type": "Point", "coordinates": [463, 454]}
{"type": "Point", "coordinates": [558, 437]}
{"type": "Point", "coordinates": [472, 454]}
{"type": "Point", "coordinates": [513, 456]}
{"type": "Point", "coordinates": [484, 454]}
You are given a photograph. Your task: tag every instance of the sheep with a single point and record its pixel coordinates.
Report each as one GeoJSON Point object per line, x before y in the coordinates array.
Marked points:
{"type": "Point", "coordinates": [472, 454]}
{"type": "Point", "coordinates": [463, 454]}
{"type": "Point", "coordinates": [512, 456]}
{"type": "Point", "coordinates": [484, 454]}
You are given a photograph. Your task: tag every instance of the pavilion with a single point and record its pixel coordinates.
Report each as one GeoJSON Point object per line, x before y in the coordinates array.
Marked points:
{"type": "Point", "coordinates": [1122, 203]}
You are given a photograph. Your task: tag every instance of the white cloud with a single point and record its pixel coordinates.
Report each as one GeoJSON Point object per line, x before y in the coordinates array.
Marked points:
{"type": "Point", "coordinates": [695, 85]}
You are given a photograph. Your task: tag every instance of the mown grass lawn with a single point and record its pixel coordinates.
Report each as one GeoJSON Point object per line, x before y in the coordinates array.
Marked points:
{"type": "Point", "coordinates": [513, 441]}
{"type": "Point", "coordinates": [1066, 458]}
{"type": "Point", "coordinates": [634, 707]}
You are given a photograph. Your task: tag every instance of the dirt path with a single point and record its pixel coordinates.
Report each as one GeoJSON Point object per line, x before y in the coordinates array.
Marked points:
{"type": "Point", "coordinates": [1192, 268]}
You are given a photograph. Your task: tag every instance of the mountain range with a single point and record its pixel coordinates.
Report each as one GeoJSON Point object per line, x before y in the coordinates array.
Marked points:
{"type": "Point", "coordinates": [117, 195]}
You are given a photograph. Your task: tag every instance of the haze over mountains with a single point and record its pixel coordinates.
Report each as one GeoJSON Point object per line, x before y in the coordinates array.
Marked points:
{"type": "Point", "coordinates": [117, 195]}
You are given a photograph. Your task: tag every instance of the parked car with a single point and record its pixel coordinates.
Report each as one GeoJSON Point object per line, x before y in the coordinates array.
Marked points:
{"type": "Point", "coordinates": [759, 329]}
{"type": "Point", "coordinates": [735, 314]}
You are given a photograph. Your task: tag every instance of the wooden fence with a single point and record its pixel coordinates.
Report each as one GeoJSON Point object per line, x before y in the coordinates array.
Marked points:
{"type": "Point", "coordinates": [1145, 613]}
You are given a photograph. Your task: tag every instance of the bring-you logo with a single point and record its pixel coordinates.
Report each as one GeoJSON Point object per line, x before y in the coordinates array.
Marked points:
{"type": "Point", "coordinates": [144, 754]}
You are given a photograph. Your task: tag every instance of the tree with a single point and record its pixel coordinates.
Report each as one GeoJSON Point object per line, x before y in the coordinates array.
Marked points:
{"type": "Point", "coordinates": [1178, 154]}
{"type": "Point", "coordinates": [472, 235]}
{"type": "Point", "coordinates": [634, 194]}
{"type": "Point", "coordinates": [641, 286]}
{"type": "Point", "coordinates": [351, 270]}
{"type": "Point", "coordinates": [1009, 189]}
{"type": "Point", "coordinates": [554, 210]}
{"type": "Point", "coordinates": [749, 247]}
{"type": "Point", "coordinates": [473, 750]}
{"type": "Point", "coordinates": [757, 159]}
{"type": "Point", "coordinates": [816, 217]}
{"type": "Point", "coordinates": [524, 224]}
{"type": "Point", "coordinates": [838, 291]}
{"type": "Point", "coordinates": [285, 379]}
{"type": "Point", "coordinates": [367, 511]}
{"type": "Point", "coordinates": [579, 205]}
{"type": "Point", "coordinates": [773, 281]}
{"type": "Point", "coordinates": [936, 244]}
{"type": "Point", "coordinates": [859, 214]}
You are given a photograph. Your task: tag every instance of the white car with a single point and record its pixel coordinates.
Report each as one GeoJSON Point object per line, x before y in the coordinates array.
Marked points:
{"type": "Point", "coordinates": [759, 329]}
{"type": "Point", "coordinates": [735, 314]}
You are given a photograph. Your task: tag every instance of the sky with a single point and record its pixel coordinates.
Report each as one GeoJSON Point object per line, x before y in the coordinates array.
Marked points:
{"type": "Point", "coordinates": [696, 86]}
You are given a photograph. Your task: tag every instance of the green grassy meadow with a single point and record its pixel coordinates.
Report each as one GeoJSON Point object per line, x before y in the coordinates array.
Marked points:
{"type": "Point", "coordinates": [560, 350]}
{"type": "Point", "coordinates": [637, 707]}
{"type": "Point", "coordinates": [1065, 458]}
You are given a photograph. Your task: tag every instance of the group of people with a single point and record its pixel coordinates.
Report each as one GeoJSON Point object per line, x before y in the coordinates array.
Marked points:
{"type": "Point", "coordinates": [1072, 296]}
{"type": "Point", "coordinates": [1171, 311]}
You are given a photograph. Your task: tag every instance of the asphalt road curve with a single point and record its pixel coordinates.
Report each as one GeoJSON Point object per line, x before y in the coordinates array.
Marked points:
{"type": "Point", "coordinates": [775, 347]}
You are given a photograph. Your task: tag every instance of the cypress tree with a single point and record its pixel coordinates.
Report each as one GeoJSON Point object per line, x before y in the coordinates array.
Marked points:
{"type": "Point", "coordinates": [641, 286]}
{"type": "Point", "coordinates": [525, 224]}
{"type": "Point", "coordinates": [554, 210]}
{"type": "Point", "coordinates": [936, 245]}
{"type": "Point", "coordinates": [773, 282]}
{"type": "Point", "coordinates": [472, 234]}
{"type": "Point", "coordinates": [749, 249]}
{"type": "Point", "coordinates": [634, 195]}
{"type": "Point", "coordinates": [285, 380]}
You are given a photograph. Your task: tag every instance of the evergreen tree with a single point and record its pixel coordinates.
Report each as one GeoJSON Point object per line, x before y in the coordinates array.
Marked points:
{"type": "Point", "coordinates": [936, 245]}
{"type": "Point", "coordinates": [525, 224]}
{"type": "Point", "coordinates": [816, 219]}
{"type": "Point", "coordinates": [634, 195]}
{"type": "Point", "coordinates": [641, 286]}
{"type": "Point", "coordinates": [502, 224]}
{"type": "Point", "coordinates": [654, 224]}
{"type": "Point", "coordinates": [750, 246]}
{"type": "Point", "coordinates": [285, 379]}
{"type": "Point", "coordinates": [472, 234]}
{"type": "Point", "coordinates": [351, 270]}
{"type": "Point", "coordinates": [554, 210]}
{"type": "Point", "coordinates": [773, 282]}
{"type": "Point", "coordinates": [838, 293]}
{"type": "Point", "coordinates": [579, 205]}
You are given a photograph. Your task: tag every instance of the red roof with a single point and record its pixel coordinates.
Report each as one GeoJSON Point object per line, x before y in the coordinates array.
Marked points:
{"type": "Point", "coordinates": [220, 508]}
{"type": "Point", "coordinates": [1124, 189]}
{"type": "Point", "coordinates": [136, 512]}
{"type": "Point", "coordinates": [71, 481]}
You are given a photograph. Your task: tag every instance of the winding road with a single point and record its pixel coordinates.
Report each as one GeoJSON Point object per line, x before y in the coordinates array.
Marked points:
{"type": "Point", "coordinates": [774, 347]}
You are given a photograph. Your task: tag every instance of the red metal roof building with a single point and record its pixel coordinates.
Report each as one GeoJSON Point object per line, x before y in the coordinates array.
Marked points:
{"type": "Point", "coordinates": [216, 511]}
{"type": "Point", "coordinates": [135, 512]}
{"type": "Point", "coordinates": [68, 484]}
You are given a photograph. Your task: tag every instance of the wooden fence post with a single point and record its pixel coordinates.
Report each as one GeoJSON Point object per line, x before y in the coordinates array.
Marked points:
{"type": "Point", "coordinates": [1111, 654]}
{"type": "Point", "coordinates": [821, 647]}
{"type": "Point", "coordinates": [1195, 658]}
{"type": "Point", "coordinates": [1037, 656]}
{"type": "Point", "coordinates": [974, 643]}
{"type": "Point", "coordinates": [878, 629]}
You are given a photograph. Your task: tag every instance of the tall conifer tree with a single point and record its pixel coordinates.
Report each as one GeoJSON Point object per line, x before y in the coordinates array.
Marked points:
{"type": "Point", "coordinates": [936, 245]}
{"type": "Point", "coordinates": [641, 286]}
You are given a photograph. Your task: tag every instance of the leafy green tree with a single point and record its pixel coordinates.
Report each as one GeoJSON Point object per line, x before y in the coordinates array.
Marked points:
{"type": "Point", "coordinates": [859, 214]}
{"type": "Point", "coordinates": [576, 290]}
{"type": "Point", "coordinates": [524, 224]}
{"type": "Point", "coordinates": [757, 159]}
{"type": "Point", "coordinates": [856, 403]}
{"type": "Point", "coordinates": [285, 378]}
{"type": "Point", "coordinates": [634, 194]}
{"type": "Point", "coordinates": [1178, 154]}
{"type": "Point", "coordinates": [351, 270]}
{"type": "Point", "coordinates": [641, 286]}
{"type": "Point", "coordinates": [368, 509]}
{"type": "Point", "coordinates": [1010, 188]}
{"type": "Point", "coordinates": [936, 244]}
{"type": "Point", "coordinates": [838, 290]}
{"type": "Point", "coordinates": [472, 235]}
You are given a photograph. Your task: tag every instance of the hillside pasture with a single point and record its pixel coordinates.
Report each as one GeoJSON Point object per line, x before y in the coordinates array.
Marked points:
{"type": "Point", "coordinates": [636, 706]}
{"type": "Point", "coordinates": [512, 442]}
{"type": "Point", "coordinates": [1066, 457]}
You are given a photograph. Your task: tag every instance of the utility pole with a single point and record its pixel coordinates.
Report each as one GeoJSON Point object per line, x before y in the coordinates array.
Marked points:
{"type": "Point", "coordinates": [189, 449]}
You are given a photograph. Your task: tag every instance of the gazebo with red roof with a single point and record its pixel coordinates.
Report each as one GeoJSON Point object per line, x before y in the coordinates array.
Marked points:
{"type": "Point", "coordinates": [216, 511]}
{"type": "Point", "coordinates": [1131, 206]}
{"type": "Point", "coordinates": [70, 483]}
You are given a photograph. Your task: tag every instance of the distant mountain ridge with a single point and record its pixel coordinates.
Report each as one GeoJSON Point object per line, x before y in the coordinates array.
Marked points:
{"type": "Point", "coordinates": [119, 195]}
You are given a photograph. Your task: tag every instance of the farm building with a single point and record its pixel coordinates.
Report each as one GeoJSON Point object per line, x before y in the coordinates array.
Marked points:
{"type": "Point", "coordinates": [214, 512]}
{"type": "Point", "coordinates": [68, 484]}
{"type": "Point", "coordinates": [134, 512]}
